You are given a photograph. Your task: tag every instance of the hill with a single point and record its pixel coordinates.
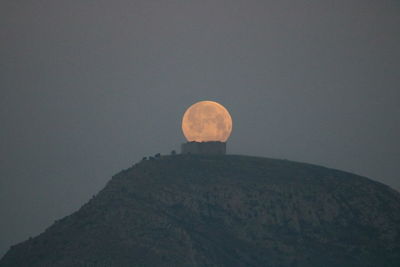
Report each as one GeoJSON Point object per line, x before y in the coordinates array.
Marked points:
{"type": "Point", "coordinates": [224, 211]}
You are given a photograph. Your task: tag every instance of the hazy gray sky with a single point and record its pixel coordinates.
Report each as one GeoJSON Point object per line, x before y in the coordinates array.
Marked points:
{"type": "Point", "coordinates": [88, 88]}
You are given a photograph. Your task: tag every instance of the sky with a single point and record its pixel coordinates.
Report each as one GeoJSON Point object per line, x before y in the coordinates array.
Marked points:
{"type": "Point", "coordinates": [88, 88]}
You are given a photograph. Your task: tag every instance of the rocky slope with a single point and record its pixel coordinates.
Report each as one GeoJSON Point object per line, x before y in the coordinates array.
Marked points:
{"type": "Point", "coordinates": [225, 211]}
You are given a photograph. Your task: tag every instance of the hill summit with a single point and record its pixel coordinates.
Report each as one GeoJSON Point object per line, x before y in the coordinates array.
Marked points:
{"type": "Point", "coordinates": [224, 210]}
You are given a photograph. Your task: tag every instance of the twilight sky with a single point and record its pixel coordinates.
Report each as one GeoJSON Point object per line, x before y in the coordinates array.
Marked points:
{"type": "Point", "coordinates": [88, 88]}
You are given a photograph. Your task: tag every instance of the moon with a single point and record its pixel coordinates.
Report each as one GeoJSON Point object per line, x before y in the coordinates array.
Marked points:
{"type": "Point", "coordinates": [207, 121]}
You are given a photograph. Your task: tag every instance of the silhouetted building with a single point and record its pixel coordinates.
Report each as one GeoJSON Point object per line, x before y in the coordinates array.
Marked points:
{"type": "Point", "coordinates": [213, 147]}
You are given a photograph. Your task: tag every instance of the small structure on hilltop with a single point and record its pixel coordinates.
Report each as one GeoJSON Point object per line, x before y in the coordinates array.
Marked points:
{"type": "Point", "coordinates": [209, 148]}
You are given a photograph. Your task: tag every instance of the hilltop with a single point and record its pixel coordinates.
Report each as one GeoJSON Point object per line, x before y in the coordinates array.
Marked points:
{"type": "Point", "coordinates": [224, 210]}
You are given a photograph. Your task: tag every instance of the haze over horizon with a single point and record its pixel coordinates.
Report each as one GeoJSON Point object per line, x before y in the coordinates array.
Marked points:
{"type": "Point", "coordinates": [88, 89]}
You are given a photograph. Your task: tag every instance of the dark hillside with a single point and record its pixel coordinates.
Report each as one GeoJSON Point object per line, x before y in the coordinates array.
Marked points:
{"type": "Point", "coordinates": [225, 211]}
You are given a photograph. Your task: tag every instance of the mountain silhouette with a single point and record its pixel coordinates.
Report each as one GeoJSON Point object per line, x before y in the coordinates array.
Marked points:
{"type": "Point", "coordinates": [227, 210]}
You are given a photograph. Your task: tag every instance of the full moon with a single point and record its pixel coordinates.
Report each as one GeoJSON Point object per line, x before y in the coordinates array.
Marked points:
{"type": "Point", "coordinates": [207, 121]}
